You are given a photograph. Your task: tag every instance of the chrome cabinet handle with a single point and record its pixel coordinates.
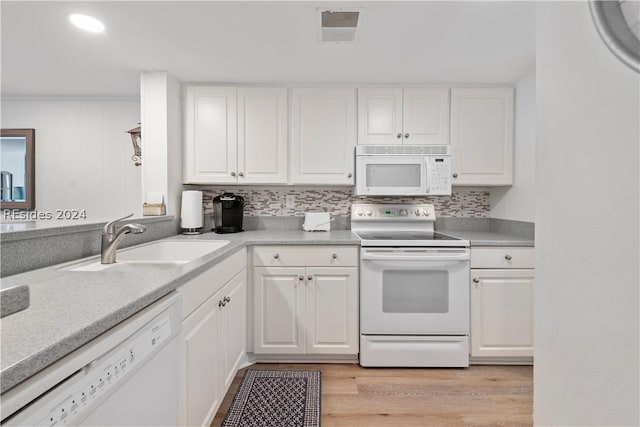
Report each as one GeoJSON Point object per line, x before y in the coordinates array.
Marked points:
{"type": "Point", "coordinates": [221, 304]}
{"type": "Point", "coordinates": [240, 173]}
{"type": "Point", "coordinates": [233, 174]}
{"type": "Point", "coordinates": [349, 175]}
{"type": "Point", "coordinates": [334, 256]}
{"type": "Point", "coordinates": [406, 135]}
{"type": "Point", "coordinates": [508, 257]}
{"type": "Point", "coordinates": [301, 277]}
{"type": "Point", "coordinates": [476, 280]}
{"type": "Point", "coordinates": [455, 175]}
{"type": "Point", "coordinates": [309, 277]}
{"type": "Point", "coordinates": [226, 299]}
{"type": "Point", "coordinates": [399, 136]}
{"type": "Point", "coordinates": [276, 256]}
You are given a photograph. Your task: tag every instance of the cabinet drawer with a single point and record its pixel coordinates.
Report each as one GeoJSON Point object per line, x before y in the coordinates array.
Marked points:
{"type": "Point", "coordinates": [197, 290]}
{"type": "Point", "coordinates": [305, 256]}
{"type": "Point", "coordinates": [502, 257]}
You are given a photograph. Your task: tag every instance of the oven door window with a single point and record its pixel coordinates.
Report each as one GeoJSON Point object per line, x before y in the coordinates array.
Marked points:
{"type": "Point", "coordinates": [415, 291]}
{"type": "Point", "coordinates": [380, 175]}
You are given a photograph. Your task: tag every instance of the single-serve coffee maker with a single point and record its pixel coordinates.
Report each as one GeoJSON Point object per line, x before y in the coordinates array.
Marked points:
{"type": "Point", "coordinates": [228, 210]}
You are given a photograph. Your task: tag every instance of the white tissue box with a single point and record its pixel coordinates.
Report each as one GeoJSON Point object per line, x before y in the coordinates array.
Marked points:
{"type": "Point", "coordinates": [316, 221]}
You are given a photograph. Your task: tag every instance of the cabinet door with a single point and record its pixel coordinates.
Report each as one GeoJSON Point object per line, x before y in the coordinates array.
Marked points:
{"type": "Point", "coordinates": [279, 309]}
{"type": "Point", "coordinates": [262, 136]}
{"type": "Point", "coordinates": [233, 326]}
{"type": "Point", "coordinates": [380, 116]}
{"type": "Point", "coordinates": [210, 154]}
{"type": "Point", "coordinates": [425, 119]}
{"type": "Point", "coordinates": [332, 310]}
{"type": "Point", "coordinates": [482, 136]}
{"type": "Point", "coordinates": [501, 313]}
{"type": "Point", "coordinates": [323, 136]}
{"type": "Point", "coordinates": [200, 365]}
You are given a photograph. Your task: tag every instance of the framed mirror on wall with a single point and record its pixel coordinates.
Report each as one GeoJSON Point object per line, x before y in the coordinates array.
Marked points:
{"type": "Point", "coordinates": [17, 169]}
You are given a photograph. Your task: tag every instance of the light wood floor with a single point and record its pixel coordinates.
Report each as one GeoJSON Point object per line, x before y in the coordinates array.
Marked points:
{"type": "Point", "coordinates": [355, 396]}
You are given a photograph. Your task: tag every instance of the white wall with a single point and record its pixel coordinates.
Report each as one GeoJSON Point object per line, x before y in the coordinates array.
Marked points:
{"type": "Point", "coordinates": [517, 202]}
{"type": "Point", "coordinates": [587, 226]}
{"type": "Point", "coordinates": [83, 153]}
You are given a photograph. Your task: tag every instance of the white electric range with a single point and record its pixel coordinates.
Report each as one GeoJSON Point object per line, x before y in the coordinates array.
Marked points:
{"type": "Point", "coordinates": [414, 288]}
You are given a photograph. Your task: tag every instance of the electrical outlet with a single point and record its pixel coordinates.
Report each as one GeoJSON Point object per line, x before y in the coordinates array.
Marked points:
{"type": "Point", "coordinates": [290, 201]}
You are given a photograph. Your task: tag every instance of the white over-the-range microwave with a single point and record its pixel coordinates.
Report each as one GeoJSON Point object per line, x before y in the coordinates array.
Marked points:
{"type": "Point", "coordinates": [403, 170]}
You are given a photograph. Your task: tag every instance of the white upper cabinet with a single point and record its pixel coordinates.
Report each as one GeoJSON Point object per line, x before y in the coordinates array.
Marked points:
{"type": "Point", "coordinates": [380, 116]}
{"type": "Point", "coordinates": [262, 136]}
{"type": "Point", "coordinates": [210, 154]}
{"type": "Point", "coordinates": [403, 116]}
{"type": "Point", "coordinates": [425, 119]}
{"type": "Point", "coordinates": [235, 135]}
{"type": "Point", "coordinates": [482, 136]}
{"type": "Point", "coordinates": [323, 132]}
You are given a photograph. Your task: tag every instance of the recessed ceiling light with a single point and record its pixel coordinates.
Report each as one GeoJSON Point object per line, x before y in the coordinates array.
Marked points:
{"type": "Point", "coordinates": [86, 22]}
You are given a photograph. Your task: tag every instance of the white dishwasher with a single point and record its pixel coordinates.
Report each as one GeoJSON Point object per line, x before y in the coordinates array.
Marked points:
{"type": "Point", "coordinates": [128, 376]}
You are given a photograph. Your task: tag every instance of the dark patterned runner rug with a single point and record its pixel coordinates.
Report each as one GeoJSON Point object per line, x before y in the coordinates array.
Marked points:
{"type": "Point", "coordinates": [276, 398]}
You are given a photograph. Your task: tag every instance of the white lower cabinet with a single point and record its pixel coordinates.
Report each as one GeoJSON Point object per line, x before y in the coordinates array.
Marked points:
{"type": "Point", "coordinates": [502, 305]}
{"type": "Point", "coordinates": [305, 309]}
{"type": "Point", "coordinates": [331, 321]}
{"type": "Point", "coordinates": [213, 338]}
{"type": "Point", "coordinates": [233, 326]}
{"type": "Point", "coordinates": [280, 299]}
{"type": "Point", "coordinates": [201, 373]}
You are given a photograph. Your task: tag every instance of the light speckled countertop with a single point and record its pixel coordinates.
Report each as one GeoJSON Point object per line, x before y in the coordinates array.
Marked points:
{"type": "Point", "coordinates": [489, 238]}
{"type": "Point", "coordinates": [70, 308]}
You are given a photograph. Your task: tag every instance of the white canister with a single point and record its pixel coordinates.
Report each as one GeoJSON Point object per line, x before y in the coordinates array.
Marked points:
{"type": "Point", "coordinates": [191, 215]}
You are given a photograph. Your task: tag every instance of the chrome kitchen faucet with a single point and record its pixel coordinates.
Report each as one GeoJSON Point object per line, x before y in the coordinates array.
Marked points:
{"type": "Point", "coordinates": [111, 238]}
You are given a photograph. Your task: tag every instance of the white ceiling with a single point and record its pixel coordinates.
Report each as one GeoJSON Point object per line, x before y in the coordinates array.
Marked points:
{"type": "Point", "coordinates": [260, 42]}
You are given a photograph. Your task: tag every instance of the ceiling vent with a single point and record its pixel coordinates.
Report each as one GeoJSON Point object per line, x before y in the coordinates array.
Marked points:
{"type": "Point", "coordinates": [338, 25]}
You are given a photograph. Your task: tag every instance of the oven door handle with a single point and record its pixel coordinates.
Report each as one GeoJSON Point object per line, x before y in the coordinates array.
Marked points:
{"type": "Point", "coordinates": [413, 257]}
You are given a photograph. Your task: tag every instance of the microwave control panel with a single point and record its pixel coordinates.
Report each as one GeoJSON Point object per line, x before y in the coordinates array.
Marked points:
{"type": "Point", "coordinates": [440, 175]}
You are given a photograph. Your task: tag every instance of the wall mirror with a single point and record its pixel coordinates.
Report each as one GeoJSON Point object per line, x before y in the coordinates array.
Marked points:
{"type": "Point", "coordinates": [17, 169]}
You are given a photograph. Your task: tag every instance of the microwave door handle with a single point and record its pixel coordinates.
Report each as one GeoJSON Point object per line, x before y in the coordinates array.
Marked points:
{"type": "Point", "coordinates": [427, 175]}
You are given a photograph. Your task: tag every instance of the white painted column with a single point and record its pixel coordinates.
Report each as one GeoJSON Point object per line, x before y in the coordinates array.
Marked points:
{"type": "Point", "coordinates": [160, 99]}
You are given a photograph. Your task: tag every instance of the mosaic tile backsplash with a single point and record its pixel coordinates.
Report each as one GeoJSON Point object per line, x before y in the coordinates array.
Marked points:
{"type": "Point", "coordinates": [463, 203]}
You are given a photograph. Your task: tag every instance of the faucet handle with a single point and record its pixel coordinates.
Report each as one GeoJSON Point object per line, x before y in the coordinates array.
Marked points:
{"type": "Point", "coordinates": [110, 227]}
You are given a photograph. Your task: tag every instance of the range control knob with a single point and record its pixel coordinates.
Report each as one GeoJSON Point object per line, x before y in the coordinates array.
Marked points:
{"type": "Point", "coordinates": [403, 212]}
{"type": "Point", "coordinates": [360, 213]}
{"type": "Point", "coordinates": [369, 212]}
{"type": "Point", "coordinates": [425, 213]}
{"type": "Point", "coordinates": [418, 212]}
